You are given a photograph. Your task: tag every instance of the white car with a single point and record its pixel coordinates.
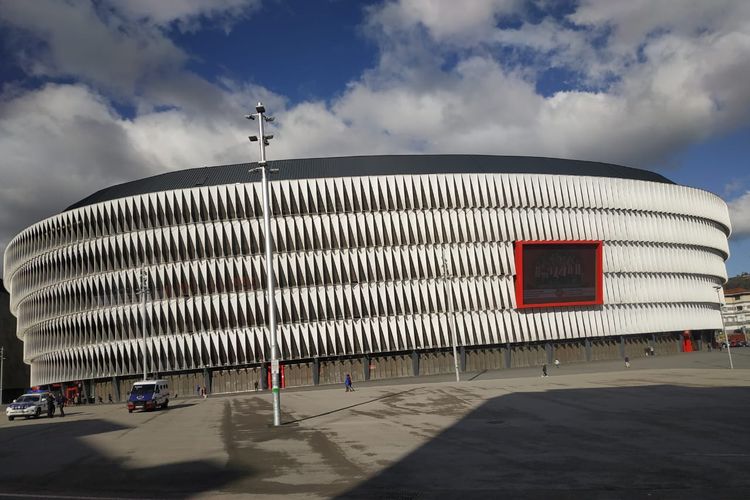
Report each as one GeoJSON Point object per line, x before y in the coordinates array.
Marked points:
{"type": "Point", "coordinates": [27, 406]}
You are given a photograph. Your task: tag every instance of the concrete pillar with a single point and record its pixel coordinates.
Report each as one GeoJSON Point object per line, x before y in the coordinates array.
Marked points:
{"type": "Point", "coordinates": [264, 369]}
{"type": "Point", "coordinates": [622, 346]}
{"type": "Point", "coordinates": [115, 389]}
{"type": "Point", "coordinates": [462, 358]}
{"type": "Point", "coordinates": [88, 393]}
{"type": "Point", "coordinates": [316, 371]}
{"type": "Point", "coordinates": [506, 355]}
{"type": "Point", "coordinates": [550, 348]}
{"type": "Point", "coordinates": [588, 350]}
{"type": "Point", "coordinates": [680, 344]}
{"type": "Point", "coordinates": [366, 366]}
{"type": "Point", "coordinates": [415, 363]}
{"type": "Point", "coordinates": [207, 380]}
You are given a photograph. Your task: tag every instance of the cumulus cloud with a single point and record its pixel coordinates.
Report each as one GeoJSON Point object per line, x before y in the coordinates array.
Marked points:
{"type": "Point", "coordinates": [57, 143]}
{"type": "Point", "coordinates": [739, 213]}
{"type": "Point", "coordinates": [80, 42]}
{"type": "Point", "coordinates": [648, 80]}
{"type": "Point", "coordinates": [186, 13]}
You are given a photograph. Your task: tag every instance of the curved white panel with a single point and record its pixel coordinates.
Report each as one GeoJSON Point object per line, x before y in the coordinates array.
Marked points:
{"type": "Point", "coordinates": [357, 265]}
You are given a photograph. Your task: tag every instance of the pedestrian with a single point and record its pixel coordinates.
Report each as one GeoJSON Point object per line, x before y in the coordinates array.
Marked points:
{"type": "Point", "coordinates": [50, 405]}
{"type": "Point", "coordinates": [109, 398]}
{"type": "Point", "coordinates": [557, 363]}
{"type": "Point", "coordinates": [198, 390]}
{"type": "Point", "coordinates": [204, 393]}
{"type": "Point", "coordinates": [100, 399]}
{"type": "Point", "coordinates": [256, 386]}
{"type": "Point", "coordinates": [348, 383]}
{"type": "Point", "coordinates": [627, 362]}
{"type": "Point", "coordinates": [61, 403]}
{"type": "Point", "coordinates": [544, 370]}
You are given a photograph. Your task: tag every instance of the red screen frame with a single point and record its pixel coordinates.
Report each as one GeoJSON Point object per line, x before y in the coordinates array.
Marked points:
{"type": "Point", "coordinates": [598, 279]}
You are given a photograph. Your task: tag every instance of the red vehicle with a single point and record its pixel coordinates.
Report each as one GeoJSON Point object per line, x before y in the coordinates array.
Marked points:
{"type": "Point", "coordinates": [736, 340]}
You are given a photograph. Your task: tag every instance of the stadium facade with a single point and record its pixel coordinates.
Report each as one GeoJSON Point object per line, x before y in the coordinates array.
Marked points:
{"type": "Point", "coordinates": [378, 261]}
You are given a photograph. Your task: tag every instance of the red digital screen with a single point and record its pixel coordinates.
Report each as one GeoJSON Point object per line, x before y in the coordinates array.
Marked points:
{"type": "Point", "coordinates": [558, 273]}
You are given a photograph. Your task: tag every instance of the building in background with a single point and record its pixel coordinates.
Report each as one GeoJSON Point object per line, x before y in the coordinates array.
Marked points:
{"type": "Point", "coordinates": [736, 313]}
{"type": "Point", "coordinates": [15, 371]}
{"type": "Point", "coordinates": [378, 260]}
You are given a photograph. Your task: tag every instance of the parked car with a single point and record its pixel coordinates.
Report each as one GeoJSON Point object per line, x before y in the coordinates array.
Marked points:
{"type": "Point", "coordinates": [27, 406]}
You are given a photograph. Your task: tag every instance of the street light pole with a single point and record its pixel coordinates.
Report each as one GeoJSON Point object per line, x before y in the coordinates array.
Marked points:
{"type": "Point", "coordinates": [452, 319]}
{"type": "Point", "coordinates": [143, 291]}
{"type": "Point", "coordinates": [724, 328]}
{"type": "Point", "coordinates": [262, 140]}
{"type": "Point", "coordinates": [2, 359]}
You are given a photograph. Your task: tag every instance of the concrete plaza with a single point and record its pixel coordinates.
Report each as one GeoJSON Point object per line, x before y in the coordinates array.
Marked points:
{"type": "Point", "coordinates": [668, 427]}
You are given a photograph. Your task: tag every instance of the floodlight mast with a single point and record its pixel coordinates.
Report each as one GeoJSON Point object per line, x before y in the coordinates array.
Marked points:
{"type": "Point", "coordinates": [143, 292]}
{"type": "Point", "coordinates": [449, 312]}
{"type": "Point", "coordinates": [262, 141]}
{"type": "Point", "coordinates": [719, 294]}
{"type": "Point", "coordinates": [2, 360]}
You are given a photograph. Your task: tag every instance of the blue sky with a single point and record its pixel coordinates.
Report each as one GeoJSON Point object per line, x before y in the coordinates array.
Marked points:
{"type": "Point", "coordinates": [99, 92]}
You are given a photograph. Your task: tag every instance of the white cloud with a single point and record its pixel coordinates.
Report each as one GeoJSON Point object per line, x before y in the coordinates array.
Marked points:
{"type": "Point", "coordinates": [86, 44]}
{"type": "Point", "coordinates": [57, 144]}
{"type": "Point", "coordinates": [464, 23]}
{"type": "Point", "coordinates": [739, 214]}
{"type": "Point", "coordinates": [185, 12]}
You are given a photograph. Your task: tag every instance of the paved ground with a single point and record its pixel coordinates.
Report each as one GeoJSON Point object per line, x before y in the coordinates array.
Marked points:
{"type": "Point", "coordinates": [668, 427]}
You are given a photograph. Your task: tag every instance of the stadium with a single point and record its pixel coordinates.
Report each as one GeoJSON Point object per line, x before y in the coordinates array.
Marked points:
{"type": "Point", "coordinates": [378, 262]}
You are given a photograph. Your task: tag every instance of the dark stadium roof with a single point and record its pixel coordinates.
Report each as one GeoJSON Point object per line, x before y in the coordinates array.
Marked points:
{"type": "Point", "coordinates": [348, 166]}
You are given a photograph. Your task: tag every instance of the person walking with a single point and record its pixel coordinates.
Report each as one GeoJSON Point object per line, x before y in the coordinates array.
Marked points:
{"type": "Point", "coordinates": [544, 370]}
{"type": "Point", "coordinates": [627, 362]}
{"type": "Point", "coordinates": [50, 405]}
{"type": "Point", "coordinates": [61, 399]}
{"type": "Point", "coordinates": [557, 363]}
{"type": "Point", "coordinates": [348, 383]}
{"type": "Point", "coordinates": [204, 393]}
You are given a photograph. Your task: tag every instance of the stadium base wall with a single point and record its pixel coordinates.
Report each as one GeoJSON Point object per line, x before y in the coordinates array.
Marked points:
{"type": "Point", "coordinates": [409, 364]}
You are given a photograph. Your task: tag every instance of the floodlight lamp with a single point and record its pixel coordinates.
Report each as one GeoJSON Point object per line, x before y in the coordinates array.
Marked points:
{"type": "Point", "coordinates": [269, 118]}
{"type": "Point", "coordinates": [253, 138]}
{"type": "Point", "coordinates": [268, 136]}
{"type": "Point", "coordinates": [260, 108]}
{"type": "Point", "coordinates": [250, 117]}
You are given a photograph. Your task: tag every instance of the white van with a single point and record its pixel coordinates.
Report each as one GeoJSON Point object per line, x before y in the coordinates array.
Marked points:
{"type": "Point", "coordinates": [149, 395]}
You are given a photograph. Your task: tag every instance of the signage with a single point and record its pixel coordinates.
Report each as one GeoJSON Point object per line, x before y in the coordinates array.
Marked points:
{"type": "Point", "coordinates": [558, 273]}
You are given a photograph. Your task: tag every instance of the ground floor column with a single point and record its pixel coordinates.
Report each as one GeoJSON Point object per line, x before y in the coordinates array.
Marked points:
{"type": "Point", "coordinates": [116, 389]}
{"type": "Point", "coordinates": [316, 371]}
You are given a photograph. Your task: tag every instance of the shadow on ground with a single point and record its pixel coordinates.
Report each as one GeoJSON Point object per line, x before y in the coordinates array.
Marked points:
{"type": "Point", "coordinates": [53, 459]}
{"type": "Point", "coordinates": [630, 442]}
